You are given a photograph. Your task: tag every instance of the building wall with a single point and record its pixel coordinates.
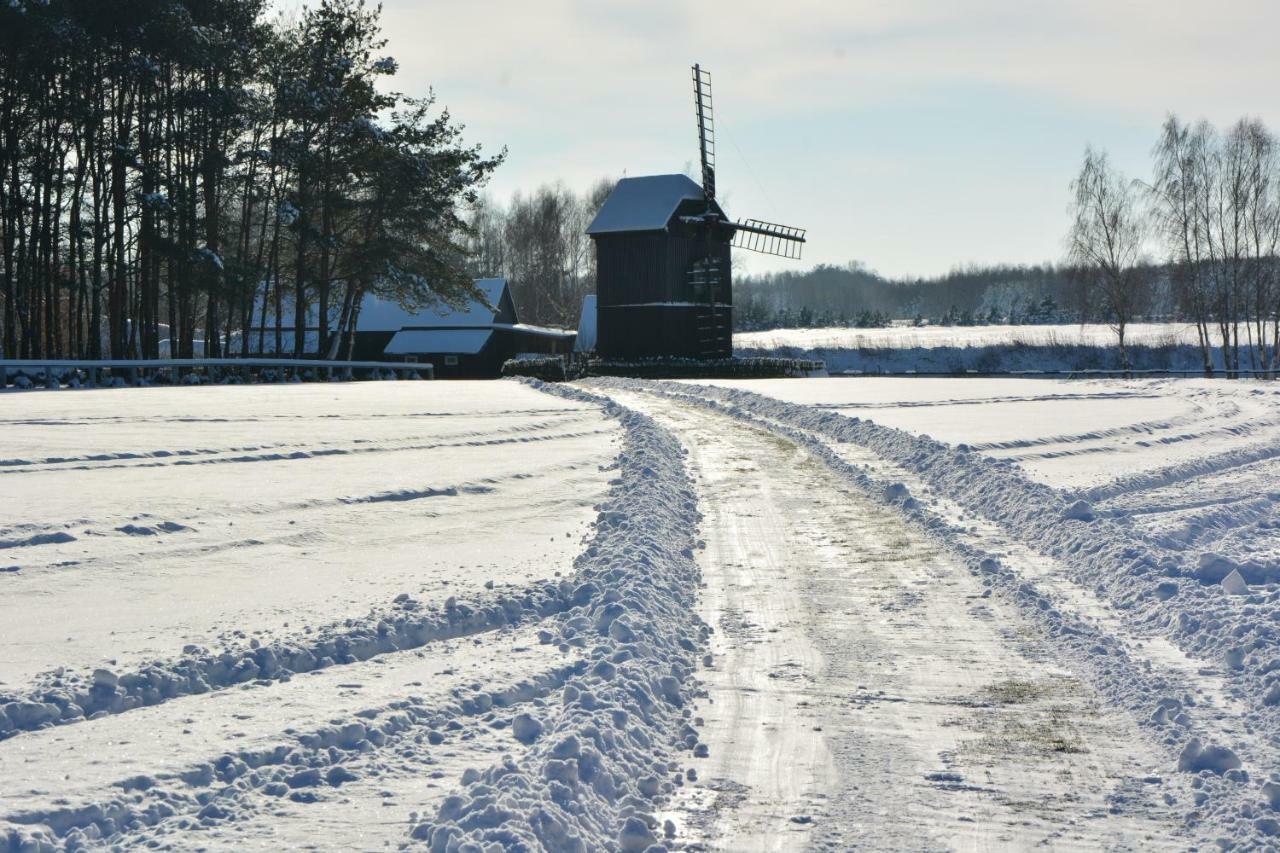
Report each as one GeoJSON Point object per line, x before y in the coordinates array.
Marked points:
{"type": "Point", "coordinates": [646, 303]}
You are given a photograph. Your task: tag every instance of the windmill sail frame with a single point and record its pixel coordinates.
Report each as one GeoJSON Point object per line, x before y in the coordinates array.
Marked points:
{"type": "Point", "coordinates": [706, 129]}
{"type": "Point", "coordinates": [769, 238]}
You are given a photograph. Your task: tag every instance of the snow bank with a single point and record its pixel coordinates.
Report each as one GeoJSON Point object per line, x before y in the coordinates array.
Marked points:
{"type": "Point", "coordinates": [68, 697]}
{"type": "Point", "coordinates": [601, 761]}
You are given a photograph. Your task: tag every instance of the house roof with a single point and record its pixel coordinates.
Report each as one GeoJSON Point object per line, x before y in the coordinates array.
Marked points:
{"type": "Point", "coordinates": [383, 315]}
{"type": "Point", "coordinates": [386, 315]}
{"type": "Point", "coordinates": [644, 204]}
{"type": "Point", "coordinates": [426, 342]}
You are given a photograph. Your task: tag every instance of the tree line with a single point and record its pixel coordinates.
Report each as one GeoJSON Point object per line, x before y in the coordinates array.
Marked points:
{"type": "Point", "coordinates": [1210, 216]}
{"type": "Point", "coordinates": [171, 169]}
{"type": "Point", "coordinates": [855, 296]}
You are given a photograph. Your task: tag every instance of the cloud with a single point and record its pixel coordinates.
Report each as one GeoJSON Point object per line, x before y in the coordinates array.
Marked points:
{"type": "Point", "coordinates": [579, 89]}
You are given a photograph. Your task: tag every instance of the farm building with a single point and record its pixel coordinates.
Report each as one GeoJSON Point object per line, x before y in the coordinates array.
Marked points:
{"type": "Point", "coordinates": [471, 341]}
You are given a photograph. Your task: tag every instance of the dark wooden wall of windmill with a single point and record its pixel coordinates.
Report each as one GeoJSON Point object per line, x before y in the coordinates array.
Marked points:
{"type": "Point", "coordinates": [638, 276]}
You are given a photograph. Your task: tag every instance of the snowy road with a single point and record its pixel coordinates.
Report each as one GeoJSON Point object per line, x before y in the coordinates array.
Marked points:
{"type": "Point", "coordinates": [865, 692]}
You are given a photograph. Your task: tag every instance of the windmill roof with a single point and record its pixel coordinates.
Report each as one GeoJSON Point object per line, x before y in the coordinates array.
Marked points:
{"type": "Point", "coordinates": [643, 204]}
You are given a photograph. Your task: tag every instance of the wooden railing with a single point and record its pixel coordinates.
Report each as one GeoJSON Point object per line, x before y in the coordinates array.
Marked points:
{"type": "Point", "coordinates": [134, 370]}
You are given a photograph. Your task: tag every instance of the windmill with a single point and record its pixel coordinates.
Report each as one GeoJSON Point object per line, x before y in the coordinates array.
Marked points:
{"type": "Point", "coordinates": [664, 282]}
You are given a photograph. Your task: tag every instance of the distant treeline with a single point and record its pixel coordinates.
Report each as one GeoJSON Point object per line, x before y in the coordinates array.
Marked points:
{"type": "Point", "coordinates": [853, 295]}
{"type": "Point", "coordinates": [172, 170]}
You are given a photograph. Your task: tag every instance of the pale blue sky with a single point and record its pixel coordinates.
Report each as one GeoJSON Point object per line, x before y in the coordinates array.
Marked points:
{"type": "Point", "coordinates": [914, 136]}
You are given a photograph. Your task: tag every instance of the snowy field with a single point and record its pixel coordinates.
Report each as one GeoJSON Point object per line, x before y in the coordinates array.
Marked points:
{"type": "Point", "coordinates": [983, 349]}
{"type": "Point", "coordinates": [642, 616]}
{"type": "Point", "coordinates": [931, 337]}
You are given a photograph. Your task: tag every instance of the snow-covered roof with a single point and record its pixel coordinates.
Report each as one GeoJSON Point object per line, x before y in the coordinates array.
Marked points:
{"type": "Point", "coordinates": [382, 315]}
{"type": "Point", "coordinates": [541, 331]}
{"type": "Point", "coordinates": [587, 325]}
{"type": "Point", "coordinates": [460, 341]}
{"type": "Point", "coordinates": [643, 204]}
{"type": "Point", "coordinates": [386, 315]}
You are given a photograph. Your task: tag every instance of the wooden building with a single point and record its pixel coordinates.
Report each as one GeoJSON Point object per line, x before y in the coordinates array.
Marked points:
{"type": "Point", "coordinates": [472, 341]}
{"type": "Point", "coordinates": [663, 280]}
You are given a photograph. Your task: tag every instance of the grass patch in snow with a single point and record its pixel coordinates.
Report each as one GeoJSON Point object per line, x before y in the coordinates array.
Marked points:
{"type": "Point", "coordinates": [1015, 691]}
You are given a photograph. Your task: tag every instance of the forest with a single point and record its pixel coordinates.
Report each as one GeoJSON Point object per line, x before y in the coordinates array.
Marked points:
{"type": "Point", "coordinates": [174, 171]}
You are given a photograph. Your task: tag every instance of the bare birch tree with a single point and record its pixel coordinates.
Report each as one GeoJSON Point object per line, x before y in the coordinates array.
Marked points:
{"type": "Point", "coordinates": [1105, 245]}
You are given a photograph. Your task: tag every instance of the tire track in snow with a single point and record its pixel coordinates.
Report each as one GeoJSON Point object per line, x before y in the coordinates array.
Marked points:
{"type": "Point", "coordinates": [67, 697]}
{"type": "Point", "coordinates": [232, 760]}
{"type": "Point", "coordinates": [151, 461]}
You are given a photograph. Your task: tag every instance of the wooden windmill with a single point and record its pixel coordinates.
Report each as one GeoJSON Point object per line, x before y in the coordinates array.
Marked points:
{"type": "Point", "coordinates": [664, 277]}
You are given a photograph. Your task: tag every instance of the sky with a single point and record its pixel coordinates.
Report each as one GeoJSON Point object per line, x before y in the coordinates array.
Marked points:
{"type": "Point", "coordinates": [912, 136]}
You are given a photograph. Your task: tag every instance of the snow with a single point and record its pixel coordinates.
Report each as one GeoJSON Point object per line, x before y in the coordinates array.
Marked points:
{"type": "Point", "coordinates": [586, 340]}
{"type": "Point", "coordinates": [931, 337]}
{"type": "Point", "coordinates": [1066, 433]}
{"type": "Point", "coordinates": [263, 483]}
{"type": "Point", "coordinates": [643, 204]}
{"type": "Point", "coordinates": [951, 350]}
{"type": "Point", "coordinates": [1193, 664]}
{"type": "Point", "coordinates": [465, 341]}
{"type": "Point", "coordinates": [354, 639]}
{"type": "Point", "coordinates": [631, 615]}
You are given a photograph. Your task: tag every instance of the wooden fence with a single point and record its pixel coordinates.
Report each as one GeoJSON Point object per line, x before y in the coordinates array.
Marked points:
{"type": "Point", "coordinates": [53, 372]}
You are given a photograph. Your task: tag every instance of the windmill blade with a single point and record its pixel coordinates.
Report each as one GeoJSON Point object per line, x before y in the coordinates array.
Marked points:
{"type": "Point", "coordinates": [769, 238]}
{"type": "Point", "coordinates": [706, 130]}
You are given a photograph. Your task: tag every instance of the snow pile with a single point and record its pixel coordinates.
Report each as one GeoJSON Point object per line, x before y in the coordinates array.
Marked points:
{"type": "Point", "coordinates": [66, 697]}
{"type": "Point", "coordinates": [1155, 589]}
{"type": "Point", "coordinates": [601, 759]}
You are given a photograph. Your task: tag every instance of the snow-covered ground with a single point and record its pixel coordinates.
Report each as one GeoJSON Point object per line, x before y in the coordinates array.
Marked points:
{"type": "Point", "coordinates": [625, 615]}
{"type": "Point", "coordinates": [984, 349]}
{"type": "Point", "coordinates": [930, 337]}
